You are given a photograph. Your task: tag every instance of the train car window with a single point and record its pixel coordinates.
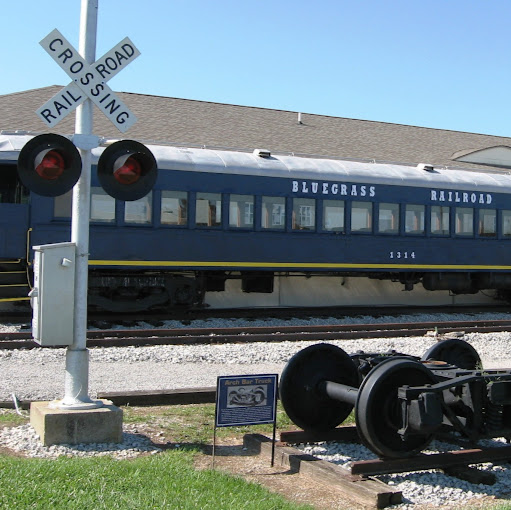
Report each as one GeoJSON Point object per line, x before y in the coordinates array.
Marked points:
{"type": "Point", "coordinates": [388, 218]}
{"type": "Point", "coordinates": [139, 211]}
{"type": "Point", "coordinates": [440, 220]}
{"type": "Point", "coordinates": [304, 214]}
{"type": "Point", "coordinates": [62, 205]}
{"type": "Point", "coordinates": [506, 223]}
{"type": "Point", "coordinates": [102, 206]}
{"type": "Point", "coordinates": [333, 215]}
{"type": "Point", "coordinates": [208, 210]}
{"type": "Point", "coordinates": [464, 221]}
{"type": "Point", "coordinates": [174, 207]}
{"type": "Point", "coordinates": [241, 211]}
{"type": "Point", "coordinates": [361, 217]}
{"type": "Point", "coordinates": [487, 226]}
{"type": "Point", "coordinates": [273, 213]}
{"type": "Point", "coordinates": [414, 219]}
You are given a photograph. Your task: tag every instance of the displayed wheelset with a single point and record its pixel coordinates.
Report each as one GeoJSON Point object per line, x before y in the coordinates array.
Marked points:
{"type": "Point", "coordinates": [402, 401]}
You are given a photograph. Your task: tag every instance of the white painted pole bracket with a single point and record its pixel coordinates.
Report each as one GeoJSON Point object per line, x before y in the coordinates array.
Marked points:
{"type": "Point", "coordinates": [85, 142]}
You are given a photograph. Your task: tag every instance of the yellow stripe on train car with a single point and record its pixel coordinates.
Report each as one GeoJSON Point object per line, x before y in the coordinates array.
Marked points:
{"type": "Point", "coordinates": [286, 265]}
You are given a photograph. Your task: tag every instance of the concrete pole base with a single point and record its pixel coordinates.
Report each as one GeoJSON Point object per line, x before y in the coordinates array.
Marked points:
{"type": "Point", "coordinates": [55, 425]}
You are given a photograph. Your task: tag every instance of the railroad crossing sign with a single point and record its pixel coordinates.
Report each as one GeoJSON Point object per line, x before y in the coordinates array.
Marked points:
{"type": "Point", "coordinates": [89, 81]}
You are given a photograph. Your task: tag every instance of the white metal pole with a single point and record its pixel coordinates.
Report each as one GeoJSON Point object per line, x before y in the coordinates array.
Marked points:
{"type": "Point", "coordinates": [77, 356]}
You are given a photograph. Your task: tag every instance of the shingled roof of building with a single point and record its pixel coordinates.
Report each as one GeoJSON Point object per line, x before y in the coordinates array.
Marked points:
{"type": "Point", "coordinates": [199, 123]}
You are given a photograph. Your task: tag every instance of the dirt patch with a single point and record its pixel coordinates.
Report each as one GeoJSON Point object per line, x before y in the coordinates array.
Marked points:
{"type": "Point", "coordinates": [233, 458]}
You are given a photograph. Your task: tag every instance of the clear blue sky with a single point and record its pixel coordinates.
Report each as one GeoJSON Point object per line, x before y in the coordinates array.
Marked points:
{"type": "Point", "coordinates": [437, 63]}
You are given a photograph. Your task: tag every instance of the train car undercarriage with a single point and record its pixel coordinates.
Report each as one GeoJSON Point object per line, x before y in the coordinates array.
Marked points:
{"type": "Point", "coordinates": [117, 290]}
{"type": "Point", "coordinates": [141, 291]}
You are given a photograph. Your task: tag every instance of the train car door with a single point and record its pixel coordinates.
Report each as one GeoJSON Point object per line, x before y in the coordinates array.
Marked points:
{"type": "Point", "coordinates": [14, 214]}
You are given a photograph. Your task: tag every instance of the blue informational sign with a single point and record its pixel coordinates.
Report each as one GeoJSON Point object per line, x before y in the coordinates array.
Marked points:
{"type": "Point", "coordinates": [246, 400]}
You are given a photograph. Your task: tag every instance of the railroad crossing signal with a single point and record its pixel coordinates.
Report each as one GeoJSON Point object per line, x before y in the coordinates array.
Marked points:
{"type": "Point", "coordinates": [50, 164]}
{"type": "Point", "coordinates": [89, 81]}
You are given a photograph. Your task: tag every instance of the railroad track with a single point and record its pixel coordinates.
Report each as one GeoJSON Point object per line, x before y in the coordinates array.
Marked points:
{"type": "Point", "coordinates": [185, 316]}
{"type": "Point", "coordinates": [204, 336]}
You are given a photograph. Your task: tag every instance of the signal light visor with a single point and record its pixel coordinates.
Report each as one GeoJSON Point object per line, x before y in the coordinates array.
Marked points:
{"type": "Point", "coordinates": [127, 169]}
{"type": "Point", "coordinates": [50, 165]}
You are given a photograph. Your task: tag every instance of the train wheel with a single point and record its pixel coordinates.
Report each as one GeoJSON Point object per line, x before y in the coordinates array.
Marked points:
{"type": "Point", "coordinates": [304, 404]}
{"type": "Point", "coordinates": [378, 409]}
{"type": "Point", "coordinates": [454, 352]}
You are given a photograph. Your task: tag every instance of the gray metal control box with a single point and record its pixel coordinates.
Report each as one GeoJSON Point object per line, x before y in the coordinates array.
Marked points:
{"type": "Point", "coordinates": [53, 295]}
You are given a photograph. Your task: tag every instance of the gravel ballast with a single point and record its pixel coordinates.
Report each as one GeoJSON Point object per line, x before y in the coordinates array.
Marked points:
{"type": "Point", "coordinates": [431, 487]}
{"type": "Point", "coordinates": [38, 374]}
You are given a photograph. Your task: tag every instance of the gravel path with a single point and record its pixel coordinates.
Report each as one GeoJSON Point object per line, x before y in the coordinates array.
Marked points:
{"type": "Point", "coordinates": [39, 375]}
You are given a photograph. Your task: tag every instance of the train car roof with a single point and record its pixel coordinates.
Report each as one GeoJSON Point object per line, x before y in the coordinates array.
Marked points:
{"type": "Point", "coordinates": [323, 169]}
{"type": "Point", "coordinates": [300, 168]}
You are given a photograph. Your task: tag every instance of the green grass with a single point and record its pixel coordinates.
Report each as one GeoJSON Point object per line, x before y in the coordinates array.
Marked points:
{"type": "Point", "coordinates": [194, 423]}
{"type": "Point", "coordinates": [180, 423]}
{"type": "Point", "coordinates": [164, 481]}
{"type": "Point", "coordinates": [9, 418]}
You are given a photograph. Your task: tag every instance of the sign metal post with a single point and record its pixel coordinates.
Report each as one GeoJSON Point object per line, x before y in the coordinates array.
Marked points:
{"type": "Point", "coordinates": [76, 384]}
{"type": "Point", "coordinates": [87, 89]}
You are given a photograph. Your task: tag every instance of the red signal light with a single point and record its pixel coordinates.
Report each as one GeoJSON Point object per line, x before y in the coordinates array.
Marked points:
{"type": "Point", "coordinates": [51, 165]}
{"type": "Point", "coordinates": [128, 172]}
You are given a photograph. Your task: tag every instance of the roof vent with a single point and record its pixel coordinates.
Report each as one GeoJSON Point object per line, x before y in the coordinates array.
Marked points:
{"type": "Point", "coordinates": [7, 132]}
{"type": "Point", "coordinates": [425, 167]}
{"type": "Point", "coordinates": [262, 153]}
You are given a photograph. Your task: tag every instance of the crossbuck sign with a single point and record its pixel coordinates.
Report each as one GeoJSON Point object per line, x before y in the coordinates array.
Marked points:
{"type": "Point", "coordinates": [89, 81]}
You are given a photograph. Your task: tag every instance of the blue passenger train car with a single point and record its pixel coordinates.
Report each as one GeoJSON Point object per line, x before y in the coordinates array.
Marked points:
{"type": "Point", "coordinates": [217, 215]}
